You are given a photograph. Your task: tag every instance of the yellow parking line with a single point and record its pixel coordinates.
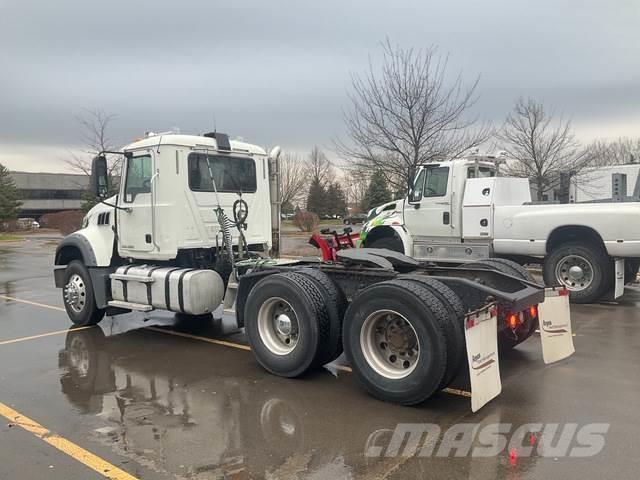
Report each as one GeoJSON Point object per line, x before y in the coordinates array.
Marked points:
{"type": "Point", "coordinates": [58, 332]}
{"type": "Point", "coordinates": [76, 452]}
{"type": "Point", "coordinates": [203, 339]}
{"type": "Point", "coordinates": [452, 391]}
{"type": "Point", "coordinates": [36, 304]}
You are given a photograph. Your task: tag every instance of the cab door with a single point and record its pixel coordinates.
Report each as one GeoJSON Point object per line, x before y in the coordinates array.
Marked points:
{"type": "Point", "coordinates": [135, 226]}
{"type": "Point", "coordinates": [428, 211]}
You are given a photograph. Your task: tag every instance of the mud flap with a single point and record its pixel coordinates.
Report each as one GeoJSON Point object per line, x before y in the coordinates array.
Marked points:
{"type": "Point", "coordinates": [555, 325]}
{"type": "Point", "coordinates": [619, 285]}
{"type": "Point", "coordinates": [482, 355]}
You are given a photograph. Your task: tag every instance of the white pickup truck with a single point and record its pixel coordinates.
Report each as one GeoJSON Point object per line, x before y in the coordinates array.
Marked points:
{"type": "Point", "coordinates": [461, 210]}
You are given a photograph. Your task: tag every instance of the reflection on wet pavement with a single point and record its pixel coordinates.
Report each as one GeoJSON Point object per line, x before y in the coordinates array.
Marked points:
{"type": "Point", "coordinates": [172, 407]}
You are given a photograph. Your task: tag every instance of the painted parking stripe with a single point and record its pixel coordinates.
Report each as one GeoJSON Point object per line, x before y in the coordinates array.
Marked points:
{"type": "Point", "coordinates": [35, 304]}
{"type": "Point", "coordinates": [202, 339]}
{"type": "Point", "coordinates": [76, 452]}
{"type": "Point", "coordinates": [452, 391]}
{"type": "Point", "coordinates": [48, 334]}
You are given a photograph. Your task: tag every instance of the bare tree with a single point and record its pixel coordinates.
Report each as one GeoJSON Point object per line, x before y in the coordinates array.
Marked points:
{"type": "Point", "coordinates": [614, 152]}
{"type": "Point", "coordinates": [355, 183]}
{"type": "Point", "coordinates": [319, 167]}
{"type": "Point", "coordinates": [540, 148]}
{"type": "Point", "coordinates": [293, 171]}
{"type": "Point", "coordinates": [95, 137]}
{"type": "Point", "coordinates": [407, 114]}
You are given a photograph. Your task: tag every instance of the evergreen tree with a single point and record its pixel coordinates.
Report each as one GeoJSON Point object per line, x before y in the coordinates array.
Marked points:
{"type": "Point", "coordinates": [336, 199]}
{"type": "Point", "coordinates": [9, 197]}
{"type": "Point", "coordinates": [377, 193]}
{"type": "Point", "coordinates": [317, 198]}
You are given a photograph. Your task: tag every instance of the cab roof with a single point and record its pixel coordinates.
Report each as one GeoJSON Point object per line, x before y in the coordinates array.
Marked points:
{"type": "Point", "coordinates": [193, 141]}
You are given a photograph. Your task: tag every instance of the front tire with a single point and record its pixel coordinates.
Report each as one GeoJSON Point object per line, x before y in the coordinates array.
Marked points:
{"type": "Point", "coordinates": [585, 269]}
{"type": "Point", "coordinates": [390, 243]}
{"type": "Point", "coordinates": [78, 297]}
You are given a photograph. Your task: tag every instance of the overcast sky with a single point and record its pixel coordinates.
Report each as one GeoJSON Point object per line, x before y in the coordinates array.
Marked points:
{"type": "Point", "coordinates": [277, 72]}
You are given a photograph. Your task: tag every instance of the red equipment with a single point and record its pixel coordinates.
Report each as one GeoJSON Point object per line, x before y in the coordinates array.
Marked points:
{"type": "Point", "coordinates": [340, 241]}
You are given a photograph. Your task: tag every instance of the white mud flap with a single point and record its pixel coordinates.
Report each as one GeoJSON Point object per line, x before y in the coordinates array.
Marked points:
{"type": "Point", "coordinates": [555, 325]}
{"type": "Point", "coordinates": [482, 355]}
{"type": "Point", "coordinates": [619, 290]}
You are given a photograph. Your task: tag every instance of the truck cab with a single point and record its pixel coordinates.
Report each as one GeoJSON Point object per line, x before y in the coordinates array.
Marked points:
{"type": "Point", "coordinates": [165, 214]}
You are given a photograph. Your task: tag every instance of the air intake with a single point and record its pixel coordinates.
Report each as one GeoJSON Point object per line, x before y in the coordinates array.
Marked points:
{"type": "Point", "coordinates": [222, 140]}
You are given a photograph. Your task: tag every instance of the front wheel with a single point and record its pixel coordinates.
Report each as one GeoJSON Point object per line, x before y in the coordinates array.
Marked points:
{"type": "Point", "coordinates": [77, 295]}
{"type": "Point", "coordinates": [584, 269]}
{"type": "Point", "coordinates": [389, 243]}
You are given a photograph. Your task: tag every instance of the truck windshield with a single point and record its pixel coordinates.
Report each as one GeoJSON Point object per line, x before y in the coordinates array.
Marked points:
{"type": "Point", "coordinates": [231, 174]}
{"type": "Point", "coordinates": [483, 172]}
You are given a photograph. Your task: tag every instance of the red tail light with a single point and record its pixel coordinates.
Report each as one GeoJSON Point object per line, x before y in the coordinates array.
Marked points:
{"type": "Point", "coordinates": [533, 311]}
{"type": "Point", "coordinates": [512, 320]}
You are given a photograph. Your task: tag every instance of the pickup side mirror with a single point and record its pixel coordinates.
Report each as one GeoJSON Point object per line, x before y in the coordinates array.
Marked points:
{"type": "Point", "coordinates": [414, 196]}
{"type": "Point", "coordinates": [99, 177]}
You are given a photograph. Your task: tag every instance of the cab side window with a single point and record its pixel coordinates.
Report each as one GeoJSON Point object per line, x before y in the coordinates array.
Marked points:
{"type": "Point", "coordinates": [139, 171]}
{"type": "Point", "coordinates": [436, 182]}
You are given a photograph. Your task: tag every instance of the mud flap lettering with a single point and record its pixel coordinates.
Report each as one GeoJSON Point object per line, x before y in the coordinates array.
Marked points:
{"type": "Point", "coordinates": [482, 355]}
{"type": "Point", "coordinates": [555, 325]}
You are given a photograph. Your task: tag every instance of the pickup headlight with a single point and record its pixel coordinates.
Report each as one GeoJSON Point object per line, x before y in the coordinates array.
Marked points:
{"type": "Point", "coordinates": [85, 222]}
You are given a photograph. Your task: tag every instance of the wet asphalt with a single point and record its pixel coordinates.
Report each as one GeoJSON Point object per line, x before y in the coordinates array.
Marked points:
{"type": "Point", "coordinates": [159, 405]}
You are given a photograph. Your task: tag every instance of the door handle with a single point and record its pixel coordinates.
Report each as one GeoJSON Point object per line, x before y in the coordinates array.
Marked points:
{"type": "Point", "coordinates": [446, 218]}
{"type": "Point", "coordinates": [443, 203]}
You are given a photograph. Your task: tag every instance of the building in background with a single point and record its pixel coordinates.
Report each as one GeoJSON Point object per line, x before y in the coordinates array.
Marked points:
{"type": "Point", "coordinates": [50, 192]}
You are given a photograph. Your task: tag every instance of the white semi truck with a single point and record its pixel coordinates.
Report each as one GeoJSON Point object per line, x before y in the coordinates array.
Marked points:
{"type": "Point", "coordinates": [461, 211]}
{"type": "Point", "coordinates": [167, 241]}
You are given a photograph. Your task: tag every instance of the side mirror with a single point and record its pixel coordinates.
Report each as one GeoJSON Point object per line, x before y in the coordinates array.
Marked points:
{"type": "Point", "coordinates": [414, 196]}
{"type": "Point", "coordinates": [415, 186]}
{"type": "Point", "coordinates": [99, 177]}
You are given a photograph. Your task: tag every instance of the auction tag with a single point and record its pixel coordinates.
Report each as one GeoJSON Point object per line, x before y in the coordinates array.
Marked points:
{"type": "Point", "coordinates": [482, 355]}
{"type": "Point", "coordinates": [555, 325]}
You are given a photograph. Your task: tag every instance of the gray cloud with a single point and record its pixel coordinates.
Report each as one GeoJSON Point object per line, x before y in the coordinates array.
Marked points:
{"type": "Point", "coordinates": [277, 72]}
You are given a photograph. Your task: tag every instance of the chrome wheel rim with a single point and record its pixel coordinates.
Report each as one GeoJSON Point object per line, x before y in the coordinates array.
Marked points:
{"type": "Point", "coordinates": [75, 293]}
{"type": "Point", "coordinates": [575, 272]}
{"type": "Point", "coordinates": [389, 344]}
{"type": "Point", "coordinates": [278, 326]}
{"type": "Point", "coordinates": [79, 357]}
{"type": "Point", "coordinates": [276, 413]}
